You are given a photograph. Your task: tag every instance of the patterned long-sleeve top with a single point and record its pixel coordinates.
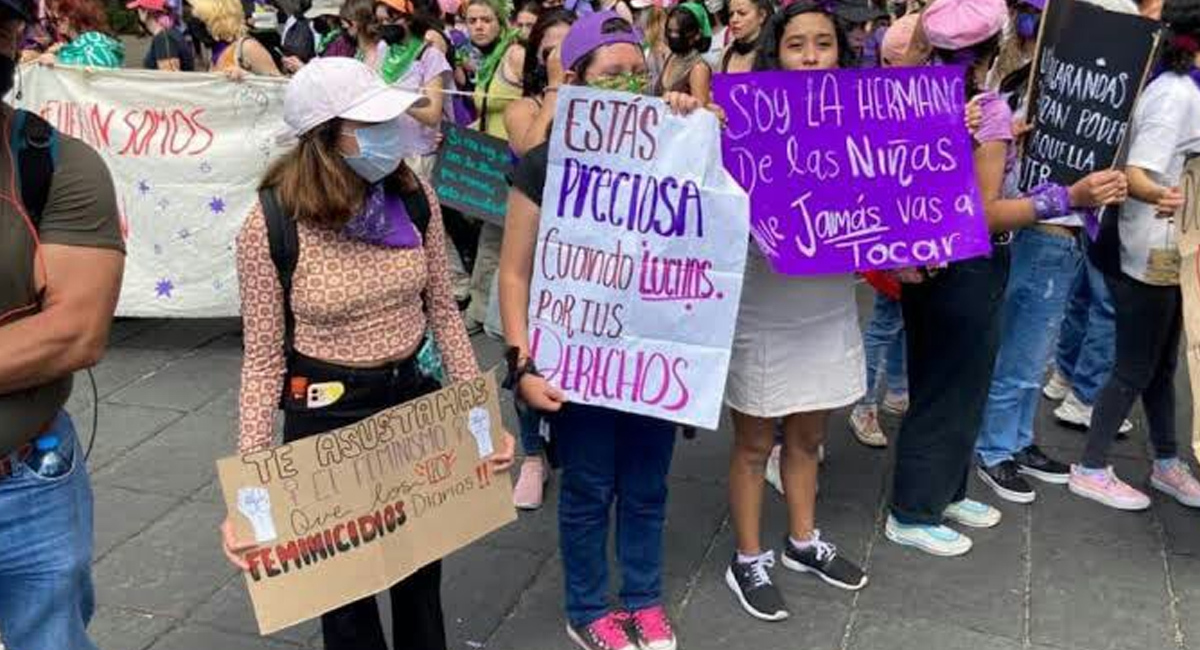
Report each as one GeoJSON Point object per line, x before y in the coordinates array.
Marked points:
{"type": "Point", "coordinates": [353, 303]}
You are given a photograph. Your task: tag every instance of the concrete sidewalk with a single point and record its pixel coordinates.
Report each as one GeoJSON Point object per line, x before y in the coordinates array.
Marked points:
{"type": "Point", "coordinates": [1062, 574]}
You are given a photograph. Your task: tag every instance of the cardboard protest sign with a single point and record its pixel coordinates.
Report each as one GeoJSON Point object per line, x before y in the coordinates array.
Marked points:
{"type": "Point", "coordinates": [854, 170]}
{"type": "Point", "coordinates": [1083, 90]}
{"type": "Point", "coordinates": [640, 256]}
{"type": "Point", "coordinates": [345, 514]}
{"type": "Point", "coordinates": [186, 151]}
{"type": "Point", "coordinates": [471, 173]}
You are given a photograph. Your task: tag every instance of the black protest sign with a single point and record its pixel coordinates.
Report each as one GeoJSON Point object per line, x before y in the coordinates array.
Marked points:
{"type": "Point", "coordinates": [472, 173]}
{"type": "Point", "coordinates": [1090, 67]}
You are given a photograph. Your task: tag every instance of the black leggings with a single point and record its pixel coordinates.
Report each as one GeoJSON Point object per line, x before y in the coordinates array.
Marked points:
{"type": "Point", "coordinates": [417, 621]}
{"type": "Point", "coordinates": [1149, 324]}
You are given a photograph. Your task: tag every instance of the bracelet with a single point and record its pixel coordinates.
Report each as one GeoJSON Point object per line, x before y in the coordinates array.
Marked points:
{"type": "Point", "coordinates": [518, 368]}
{"type": "Point", "coordinates": [1050, 201]}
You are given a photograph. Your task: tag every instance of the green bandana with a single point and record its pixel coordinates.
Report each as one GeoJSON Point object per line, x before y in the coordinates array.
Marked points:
{"type": "Point", "coordinates": [701, 15]}
{"type": "Point", "coordinates": [398, 59]}
{"type": "Point", "coordinates": [489, 66]}
{"type": "Point", "coordinates": [327, 39]}
{"type": "Point", "coordinates": [630, 82]}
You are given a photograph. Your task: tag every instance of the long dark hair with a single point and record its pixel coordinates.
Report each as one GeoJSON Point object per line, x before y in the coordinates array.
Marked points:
{"type": "Point", "coordinates": [534, 71]}
{"type": "Point", "coordinates": [689, 26]}
{"type": "Point", "coordinates": [772, 36]}
{"type": "Point", "coordinates": [1183, 37]}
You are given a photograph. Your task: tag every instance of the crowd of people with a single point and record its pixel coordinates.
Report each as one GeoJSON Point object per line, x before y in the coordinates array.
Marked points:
{"type": "Point", "coordinates": [960, 352]}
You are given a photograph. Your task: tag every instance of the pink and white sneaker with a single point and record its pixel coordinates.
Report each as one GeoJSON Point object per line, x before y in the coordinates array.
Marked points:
{"type": "Point", "coordinates": [1178, 482]}
{"type": "Point", "coordinates": [1104, 487]}
{"type": "Point", "coordinates": [652, 629]}
{"type": "Point", "coordinates": [607, 633]}
{"type": "Point", "coordinates": [530, 487]}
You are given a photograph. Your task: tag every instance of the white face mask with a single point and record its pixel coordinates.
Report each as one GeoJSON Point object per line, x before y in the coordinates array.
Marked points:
{"type": "Point", "coordinates": [380, 150]}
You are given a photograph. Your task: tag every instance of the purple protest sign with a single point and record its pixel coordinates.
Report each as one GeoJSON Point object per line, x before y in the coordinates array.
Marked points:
{"type": "Point", "coordinates": [854, 170]}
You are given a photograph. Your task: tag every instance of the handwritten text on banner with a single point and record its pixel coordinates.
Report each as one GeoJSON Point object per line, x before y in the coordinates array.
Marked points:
{"type": "Point", "coordinates": [640, 256]}
{"type": "Point", "coordinates": [186, 152]}
{"type": "Point", "coordinates": [852, 170]}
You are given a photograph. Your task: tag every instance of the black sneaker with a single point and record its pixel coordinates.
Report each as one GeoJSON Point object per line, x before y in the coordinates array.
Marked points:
{"type": "Point", "coordinates": [1032, 462]}
{"type": "Point", "coordinates": [1006, 480]}
{"type": "Point", "coordinates": [822, 559]}
{"type": "Point", "coordinates": [752, 585]}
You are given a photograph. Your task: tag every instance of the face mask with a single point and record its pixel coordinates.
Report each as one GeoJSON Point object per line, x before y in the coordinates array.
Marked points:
{"type": "Point", "coordinates": [630, 82]}
{"type": "Point", "coordinates": [679, 45]}
{"type": "Point", "coordinates": [393, 34]}
{"type": "Point", "coordinates": [379, 151]}
{"type": "Point", "coordinates": [8, 71]}
{"type": "Point", "coordinates": [1027, 25]}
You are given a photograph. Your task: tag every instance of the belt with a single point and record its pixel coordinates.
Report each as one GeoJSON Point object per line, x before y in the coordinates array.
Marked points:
{"type": "Point", "coordinates": [8, 464]}
{"type": "Point", "coordinates": [1056, 230]}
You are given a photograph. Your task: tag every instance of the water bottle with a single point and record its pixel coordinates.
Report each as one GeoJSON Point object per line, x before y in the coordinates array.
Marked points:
{"type": "Point", "coordinates": [48, 460]}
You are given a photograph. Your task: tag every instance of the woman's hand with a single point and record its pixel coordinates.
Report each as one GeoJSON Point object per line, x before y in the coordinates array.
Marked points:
{"type": "Point", "coordinates": [235, 549]}
{"type": "Point", "coordinates": [974, 115]}
{"type": "Point", "coordinates": [555, 76]}
{"type": "Point", "coordinates": [1169, 202]}
{"type": "Point", "coordinates": [1099, 188]}
{"type": "Point", "coordinates": [540, 395]}
{"type": "Point", "coordinates": [236, 75]}
{"type": "Point", "coordinates": [681, 103]}
{"type": "Point", "coordinates": [47, 59]}
{"type": "Point", "coordinates": [292, 64]}
{"type": "Point", "coordinates": [502, 460]}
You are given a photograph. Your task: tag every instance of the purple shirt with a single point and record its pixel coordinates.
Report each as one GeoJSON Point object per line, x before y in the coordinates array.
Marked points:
{"type": "Point", "coordinates": [425, 69]}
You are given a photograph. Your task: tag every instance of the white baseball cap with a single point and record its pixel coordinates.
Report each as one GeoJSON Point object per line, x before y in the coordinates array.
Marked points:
{"type": "Point", "coordinates": [343, 87]}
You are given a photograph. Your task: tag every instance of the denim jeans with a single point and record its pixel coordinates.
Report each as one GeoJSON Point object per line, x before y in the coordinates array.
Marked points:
{"type": "Point", "coordinates": [530, 420]}
{"type": "Point", "coordinates": [1149, 327]}
{"type": "Point", "coordinates": [1044, 267]}
{"type": "Point", "coordinates": [883, 340]}
{"type": "Point", "coordinates": [611, 456]}
{"type": "Point", "coordinates": [952, 330]}
{"type": "Point", "coordinates": [1088, 342]}
{"type": "Point", "coordinates": [46, 594]}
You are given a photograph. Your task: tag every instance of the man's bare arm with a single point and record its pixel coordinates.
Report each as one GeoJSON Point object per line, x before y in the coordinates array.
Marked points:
{"type": "Point", "coordinates": [71, 332]}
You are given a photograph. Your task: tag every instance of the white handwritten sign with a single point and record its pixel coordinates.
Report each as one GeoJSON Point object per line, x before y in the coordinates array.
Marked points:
{"type": "Point", "coordinates": [641, 252]}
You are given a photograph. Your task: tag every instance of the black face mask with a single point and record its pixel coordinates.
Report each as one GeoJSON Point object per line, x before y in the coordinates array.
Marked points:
{"type": "Point", "coordinates": [8, 73]}
{"type": "Point", "coordinates": [679, 45]}
{"type": "Point", "coordinates": [742, 48]}
{"type": "Point", "coordinates": [393, 34]}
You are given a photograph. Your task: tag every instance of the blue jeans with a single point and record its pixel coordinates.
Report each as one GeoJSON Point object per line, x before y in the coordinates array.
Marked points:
{"type": "Point", "coordinates": [609, 456]}
{"type": "Point", "coordinates": [1043, 269]}
{"type": "Point", "coordinates": [530, 420]}
{"type": "Point", "coordinates": [883, 339]}
{"type": "Point", "coordinates": [46, 595]}
{"type": "Point", "coordinates": [1088, 344]}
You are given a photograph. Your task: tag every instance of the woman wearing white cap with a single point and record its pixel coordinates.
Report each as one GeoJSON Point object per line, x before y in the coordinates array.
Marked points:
{"type": "Point", "coordinates": [354, 210]}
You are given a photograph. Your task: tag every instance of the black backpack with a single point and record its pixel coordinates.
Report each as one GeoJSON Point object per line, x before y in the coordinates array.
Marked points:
{"type": "Point", "coordinates": [34, 146]}
{"type": "Point", "coordinates": [284, 242]}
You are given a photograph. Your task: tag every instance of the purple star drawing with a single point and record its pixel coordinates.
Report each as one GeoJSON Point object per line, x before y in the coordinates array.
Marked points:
{"type": "Point", "coordinates": [143, 187]}
{"type": "Point", "coordinates": [217, 205]}
{"type": "Point", "coordinates": [164, 288]}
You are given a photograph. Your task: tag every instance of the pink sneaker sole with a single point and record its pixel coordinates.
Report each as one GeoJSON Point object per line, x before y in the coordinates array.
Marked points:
{"type": "Point", "coordinates": [1169, 490]}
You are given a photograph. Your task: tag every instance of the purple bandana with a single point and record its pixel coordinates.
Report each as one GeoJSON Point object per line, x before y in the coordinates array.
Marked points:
{"type": "Point", "coordinates": [384, 221]}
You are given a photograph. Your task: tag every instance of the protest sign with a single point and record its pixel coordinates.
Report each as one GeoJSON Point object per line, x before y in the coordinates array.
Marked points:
{"type": "Point", "coordinates": [345, 514]}
{"type": "Point", "coordinates": [640, 256]}
{"type": "Point", "coordinates": [471, 173]}
{"type": "Point", "coordinates": [186, 152]}
{"type": "Point", "coordinates": [1083, 90]}
{"type": "Point", "coordinates": [854, 170]}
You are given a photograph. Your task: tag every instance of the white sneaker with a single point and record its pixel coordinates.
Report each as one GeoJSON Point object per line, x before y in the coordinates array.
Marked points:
{"type": "Point", "coordinates": [895, 403]}
{"type": "Point", "coordinates": [1057, 388]}
{"type": "Point", "coordinates": [935, 540]}
{"type": "Point", "coordinates": [774, 477]}
{"type": "Point", "coordinates": [973, 514]}
{"type": "Point", "coordinates": [1074, 412]}
{"type": "Point", "coordinates": [864, 423]}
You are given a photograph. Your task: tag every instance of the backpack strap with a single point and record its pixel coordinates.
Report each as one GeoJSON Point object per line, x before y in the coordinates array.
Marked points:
{"type": "Point", "coordinates": [35, 148]}
{"type": "Point", "coordinates": [284, 241]}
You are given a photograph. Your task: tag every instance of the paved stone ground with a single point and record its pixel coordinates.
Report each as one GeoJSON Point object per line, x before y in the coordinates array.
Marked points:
{"type": "Point", "coordinates": [1063, 574]}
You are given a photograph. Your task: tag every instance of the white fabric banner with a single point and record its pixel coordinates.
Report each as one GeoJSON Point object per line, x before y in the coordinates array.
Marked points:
{"type": "Point", "coordinates": [186, 151]}
{"type": "Point", "coordinates": [641, 252]}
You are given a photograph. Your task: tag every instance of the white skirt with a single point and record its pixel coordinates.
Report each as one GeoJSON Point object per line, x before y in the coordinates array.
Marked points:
{"type": "Point", "coordinates": [798, 347]}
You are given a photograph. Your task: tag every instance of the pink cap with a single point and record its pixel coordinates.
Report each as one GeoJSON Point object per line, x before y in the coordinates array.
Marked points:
{"type": "Point", "coordinates": [959, 24]}
{"type": "Point", "coordinates": [148, 5]}
{"type": "Point", "coordinates": [902, 45]}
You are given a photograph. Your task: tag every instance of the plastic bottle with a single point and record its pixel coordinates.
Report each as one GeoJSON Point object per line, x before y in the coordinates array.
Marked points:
{"type": "Point", "coordinates": [48, 461]}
